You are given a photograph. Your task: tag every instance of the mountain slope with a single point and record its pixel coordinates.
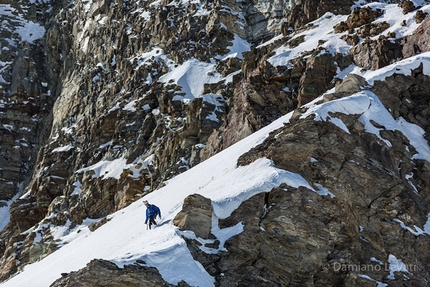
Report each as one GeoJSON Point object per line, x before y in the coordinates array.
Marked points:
{"type": "Point", "coordinates": [124, 239]}
{"type": "Point", "coordinates": [88, 128]}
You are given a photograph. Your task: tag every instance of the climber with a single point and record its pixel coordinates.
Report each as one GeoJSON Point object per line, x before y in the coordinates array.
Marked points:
{"type": "Point", "coordinates": [151, 213]}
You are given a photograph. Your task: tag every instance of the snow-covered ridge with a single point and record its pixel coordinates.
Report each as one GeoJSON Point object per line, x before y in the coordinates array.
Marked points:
{"type": "Point", "coordinates": [368, 105]}
{"type": "Point", "coordinates": [323, 30]}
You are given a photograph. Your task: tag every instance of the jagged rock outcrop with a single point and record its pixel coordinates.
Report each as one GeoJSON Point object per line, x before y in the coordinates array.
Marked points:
{"type": "Point", "coordinates": [371, 53]}
{"type": "Point", "coordinates": [412, 102]}
{"type": "Point", "coordinates": [105, 273]}
{"type": "Point", "coordinates": [377, 53]}
{"type": "Point", "coordinates": [303, 12]}
{"type": "Point", "coordinates": [25, 99]}
{"type": "Point", "coordinates": [295, 236]}
{"type": "Point", "coordinates": [259, 99]}
{"type": "Point", "coordinates": [417, 43]}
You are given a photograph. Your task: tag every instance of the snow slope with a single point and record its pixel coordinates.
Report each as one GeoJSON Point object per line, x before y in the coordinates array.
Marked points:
{"type": "Point", "coordinates": [124, 238]}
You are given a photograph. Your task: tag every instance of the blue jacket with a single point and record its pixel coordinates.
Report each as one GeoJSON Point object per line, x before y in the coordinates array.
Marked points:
{"type": "Point", "coordinates": [152, 210]}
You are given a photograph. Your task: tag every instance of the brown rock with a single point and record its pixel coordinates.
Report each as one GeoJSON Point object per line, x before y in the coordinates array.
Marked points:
{"type": "Point", "coordinates": [420, 16]}
{"type": "Point", "coordinates": [375, 54]}
{"type": "Point", "coordinates": [357, 18]}
{"type": "Point", "coordinates": [407, 6]}
{"type": "Point", "coordinates": [305, 238]}
{"type": "Point", "coordinates": [303, 12]}
{"type": "Point", "coordinates": [418, 42]}
{"type": "Point", "coordinates": [351, 84]}
{"type": "Point", "coordinates": [412, 98]}
{"type": "Point", "coordinates": [105, 273]}
{"type": "Point", "coordinates": [371, 30]}
{"type": "Point", "coordinates": [317, 78]}
{"type": "Point", "coordinates": [196, 215]}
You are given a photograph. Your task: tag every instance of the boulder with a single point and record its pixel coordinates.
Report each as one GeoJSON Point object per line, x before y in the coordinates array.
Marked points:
{"type": "Point", "coordinates": [351, 84]}
{"type": "Point", "coordinates": [196, 215]}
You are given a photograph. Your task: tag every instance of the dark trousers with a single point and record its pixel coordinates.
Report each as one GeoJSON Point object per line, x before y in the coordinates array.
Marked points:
{"type": "Point", "coordinates": [152, 221]}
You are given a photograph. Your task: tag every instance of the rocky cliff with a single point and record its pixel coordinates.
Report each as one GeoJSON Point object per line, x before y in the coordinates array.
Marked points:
{"type": "Point", "coordinates": [157, 87]}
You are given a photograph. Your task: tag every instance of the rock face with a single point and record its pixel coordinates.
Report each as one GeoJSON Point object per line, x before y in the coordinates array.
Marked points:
{"type": "Point", "coordinates": [91, 87]}
{"type": "Point", "coordinates": [296, 237]}
{"type": "Point", "coordinates": [106, 273]}
{"type": "Point", "coordinates": [25, 99]}
{"type": "Point", "coordinates": [306, 239]}
{"type": "Point", "coordinates": [372, 198]}
{"type": "Point", "coordinates": [416, 43]}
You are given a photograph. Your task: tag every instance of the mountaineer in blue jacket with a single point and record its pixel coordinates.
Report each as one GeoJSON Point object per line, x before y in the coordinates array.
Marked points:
{"type": "Point", "coordinates": [151, 213]}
